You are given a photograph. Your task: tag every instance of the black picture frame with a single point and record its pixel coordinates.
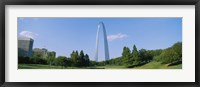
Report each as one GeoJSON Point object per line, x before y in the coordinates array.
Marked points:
{"type": "Point", "coordinates": [99, 2]}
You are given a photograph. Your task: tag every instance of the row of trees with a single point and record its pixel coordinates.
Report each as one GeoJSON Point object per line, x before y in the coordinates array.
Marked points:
{"type": "Point", "coordinates": [171, 55]}
{"type": "Point", "coordinates": [27, 60]}
{"type": "Point", "coordinates": [133, 58]}
{"type": "Point", "coordinates": [76, 59]}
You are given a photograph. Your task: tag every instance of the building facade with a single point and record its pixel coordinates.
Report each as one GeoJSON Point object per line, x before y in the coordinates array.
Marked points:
{"type": "Point", "coordinates": [41, 53]}
{"type": "Point", "coordinates": [51, 54]}
{"type": "Point", "coordinates": [25, 46]}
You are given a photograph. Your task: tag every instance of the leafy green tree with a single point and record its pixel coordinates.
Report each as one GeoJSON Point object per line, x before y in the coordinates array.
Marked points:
{"type": "Point", "coordinates": [42, 61]}
{"type": "Point", "coordinates": [135, 56]}
{"type": "Point", "coordinates": [171, 55]}
{"type": "Point", "coordinates": [126, 55]}
{"type": "Point", "coordinates": [23, 60]}
{"type": "Point", "coordinates": [50, 58]}
{"type": "Point", "coordinates": [60, 61]}
{"type": "Point", "coordinates": [93, 63]}
{"type": "Point", "coordinates": [143, 55]}
{"type": "Point", "coordinates": [81, 59]}
{"type": "Point", "coordinates": [67, 62]}
{"type": "Point", "coordinates": [75, 58]}
{"type": "Point", "coordinates": [87, 60]}
{"type": "Point", "coordinates": [177, 47]}
{"type": "Point", "coordinates": [36, 58]}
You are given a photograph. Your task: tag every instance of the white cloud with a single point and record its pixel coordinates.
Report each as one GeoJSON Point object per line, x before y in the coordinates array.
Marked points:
{"type": "Point", "coordinates": [116, 36]}
{"type": "Point", "coordinates": [28, 34]}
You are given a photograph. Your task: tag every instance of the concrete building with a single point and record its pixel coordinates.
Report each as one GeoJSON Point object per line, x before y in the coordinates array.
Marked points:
{"type": "Point", "coordinates": [51, 54]}
{"type": "Point", "coordinates": [42, 53]}
{"type": "Point", "coordinates": [25, 46]}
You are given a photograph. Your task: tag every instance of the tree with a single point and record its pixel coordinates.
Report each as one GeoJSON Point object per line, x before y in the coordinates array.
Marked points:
{"type": "Point", "coordinates": [67, 62]}
{"type": "Point", "coordinates": [75, 58]}
{"type": "Point", "coordinates": [171, 55]}
{"type": "Point", "coordinates": [135, 56]}
{"type": "Point", "coordinates": [36, 57]}
{"type": "Point", "coordinates": [81, 59]}
{"type": "Point", "coordinates": [60, 61]}
{"type": "Point", "coordinates": [23, 60]}
{"type": "Point", "coordinates": [51, 57]}
{"type": "Point", "coordinates": [143, 55]}
{"type": "Point", "coordinates": [87, 60]}
{"type": "Point", "coordinates": [177, 47]}
{"type": "Point", "coordinates": [42, 61]}
{"type": "Point", "coordinates": [126, 55]}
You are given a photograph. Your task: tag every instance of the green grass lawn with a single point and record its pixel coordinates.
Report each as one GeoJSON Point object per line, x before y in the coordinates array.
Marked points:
{"type": "Point", "coordinates": [37, 66]}
{"type": "Point", "coordinates": [151, 65]}
{"type": "Point", "coordinates": [40, 66]}
{"type": "Point", "coordinates": [111, 67]}
{"type": "Point", "coordinates": [157, 65]}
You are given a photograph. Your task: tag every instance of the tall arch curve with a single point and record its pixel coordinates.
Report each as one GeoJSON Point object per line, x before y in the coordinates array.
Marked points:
{"type": "Point", "coordinates": [102, 26]}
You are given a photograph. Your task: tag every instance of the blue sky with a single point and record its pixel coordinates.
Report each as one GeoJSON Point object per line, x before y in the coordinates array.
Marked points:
{"type": "Point", "coordinates": [64, 35]}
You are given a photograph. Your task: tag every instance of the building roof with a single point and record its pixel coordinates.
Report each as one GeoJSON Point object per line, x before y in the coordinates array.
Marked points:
{"type": "Point", "coordinates": [24, 38]}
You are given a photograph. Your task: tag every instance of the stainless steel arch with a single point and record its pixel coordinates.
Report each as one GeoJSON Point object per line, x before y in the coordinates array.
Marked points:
{"type": "Point", "coordinates": [101, 24]}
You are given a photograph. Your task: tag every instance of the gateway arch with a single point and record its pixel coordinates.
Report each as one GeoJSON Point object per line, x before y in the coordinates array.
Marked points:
{"type": "Point", "coordinates": [102, 26]}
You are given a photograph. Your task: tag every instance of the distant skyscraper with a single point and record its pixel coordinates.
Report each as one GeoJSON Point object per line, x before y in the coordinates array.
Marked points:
{"type": "Point", "coordinates": [25, 46]}
{"type": "Point", "coordinates": [102, 26]}
{"type": "Point", "coordinates": [42, 53]}
{"type": "Point", "coordinates": [51, 54]}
